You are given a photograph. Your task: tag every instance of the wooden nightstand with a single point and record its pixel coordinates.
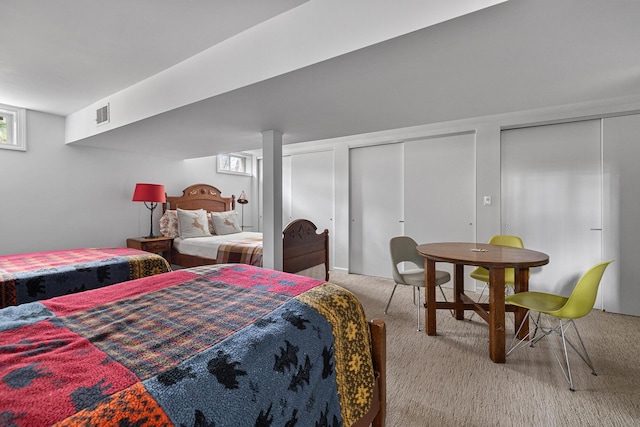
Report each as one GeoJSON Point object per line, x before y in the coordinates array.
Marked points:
{"type": "Point", "coordinates": [157, 245]}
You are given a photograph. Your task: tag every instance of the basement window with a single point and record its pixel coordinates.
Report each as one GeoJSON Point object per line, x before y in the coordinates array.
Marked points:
{"type": "Point", "coordinates": [12, 128]}
{"type": "Point", "coordinates": [237, 164]}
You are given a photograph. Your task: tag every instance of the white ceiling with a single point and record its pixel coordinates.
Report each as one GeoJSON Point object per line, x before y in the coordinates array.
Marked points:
{"type": "Point", "coordinates": [514, 56]}
{"type": "Point", "coordinates": [60, 56]}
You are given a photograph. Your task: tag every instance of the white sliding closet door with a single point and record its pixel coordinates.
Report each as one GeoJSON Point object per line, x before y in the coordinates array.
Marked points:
{"type": "Point", "coordinates": [312, 191]}
{"type": "Point", "coordinates": [439, 192]}
{"type": "Point", "coordinates": [552, 198]}
{"type": "Point", "coordinates": [376, 207]}
{"type": "Point", "coordinates": [621, 283]}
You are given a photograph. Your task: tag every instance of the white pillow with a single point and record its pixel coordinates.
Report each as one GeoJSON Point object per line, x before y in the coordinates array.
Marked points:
{"type": "Point", "coordinates": [193, 223]}
{"type": "Point", "coordinates": [225, 222]}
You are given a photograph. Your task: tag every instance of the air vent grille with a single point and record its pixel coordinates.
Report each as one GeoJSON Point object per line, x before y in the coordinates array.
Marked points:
{"type": "Point", "coordinates": [102, 115]}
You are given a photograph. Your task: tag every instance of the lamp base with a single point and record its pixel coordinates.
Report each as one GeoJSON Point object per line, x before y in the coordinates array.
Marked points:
{"type": "Point", "coordinates": [151, 236]}
{"type": "Point", "coordinates": [151, 208]}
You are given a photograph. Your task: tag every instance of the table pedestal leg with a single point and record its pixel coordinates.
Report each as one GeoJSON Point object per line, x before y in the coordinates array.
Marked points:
{"type": "Point", "coordinates": [496, 315]}
{"type": "Point", "coordinates": [430, 295]}
{"type": "Point", "coordinates": [458, 289]}
{"type": "Point", "coordinates": [521, 285]}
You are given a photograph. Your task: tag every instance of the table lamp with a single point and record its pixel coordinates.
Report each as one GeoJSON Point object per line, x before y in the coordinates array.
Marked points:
{"type": "Point", "coordinates": [242, 199]}
{"type": "Point", "coordinates": [152, 194]}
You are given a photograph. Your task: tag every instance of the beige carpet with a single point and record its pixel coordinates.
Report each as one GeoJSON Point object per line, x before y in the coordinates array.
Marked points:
{"type": "Point", "coordinates": [449, 380]}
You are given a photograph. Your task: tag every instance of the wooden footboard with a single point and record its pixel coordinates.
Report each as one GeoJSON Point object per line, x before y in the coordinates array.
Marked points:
{"type": "Point", "coordinates": [188, 261]}
{"type": "Point", "coordinates": [303, 247]}
{"type": "Point", "coordinates": [377, 415]}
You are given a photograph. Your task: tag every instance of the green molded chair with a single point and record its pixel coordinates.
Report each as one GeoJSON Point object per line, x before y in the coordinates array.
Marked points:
{"type": "Point", "coordinates": [482, 274]}
{"type": "Point", "coordinates": [403, 249]}
{"type": "Point", "coordinates": [565, 310]}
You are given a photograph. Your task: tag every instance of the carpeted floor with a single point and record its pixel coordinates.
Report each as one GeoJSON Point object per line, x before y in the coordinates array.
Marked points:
{"type": "Point", "coordinates": [449, 380]}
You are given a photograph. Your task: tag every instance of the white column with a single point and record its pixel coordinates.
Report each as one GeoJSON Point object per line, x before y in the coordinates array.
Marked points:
{"type": "Point", "coordinates": [272, 199]}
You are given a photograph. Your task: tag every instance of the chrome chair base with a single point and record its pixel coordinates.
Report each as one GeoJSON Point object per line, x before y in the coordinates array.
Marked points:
{"type": "Point", "coordinates": [561, 330]}
{"type": "Point", "coordinates": [418, 306]}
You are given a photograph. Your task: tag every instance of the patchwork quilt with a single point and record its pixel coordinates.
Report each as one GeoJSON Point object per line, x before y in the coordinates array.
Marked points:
{"type": "Point", "coordinates": [231, 345]}
{"type": "Point", "coordinates": [41, 275]}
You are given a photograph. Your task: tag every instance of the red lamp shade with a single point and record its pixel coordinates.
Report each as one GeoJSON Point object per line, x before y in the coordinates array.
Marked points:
{"type": "Point", "coordinates": [149, 193]}
{"type": "Point", "coordinates": [152, 194]}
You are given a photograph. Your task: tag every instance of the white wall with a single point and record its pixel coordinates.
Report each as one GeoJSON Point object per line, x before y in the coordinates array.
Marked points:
{"type": "Point", "coordinates": [58, 196]}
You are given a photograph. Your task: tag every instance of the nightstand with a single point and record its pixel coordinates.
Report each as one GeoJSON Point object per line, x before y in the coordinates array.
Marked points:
{"type": "Point", "coordinates": [157, 245]}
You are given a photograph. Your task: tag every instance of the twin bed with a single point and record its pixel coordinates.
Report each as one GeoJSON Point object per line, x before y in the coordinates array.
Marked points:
{"type": "Point", "coordinates": [212, 344]}
{"type": "Point", "coordinates": [41, 275]}
{"type": "Point", "coordinates": [223, 345]}
{"type": "Point", "coordinates": [305, 251]}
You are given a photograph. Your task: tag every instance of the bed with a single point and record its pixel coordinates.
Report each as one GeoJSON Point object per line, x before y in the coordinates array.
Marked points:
{"type": "Point", "coordinates": [41, 275]}
{"type": "Point", "coordinates": [223, 345]}
{"type": "Point", "coordinates": [305, 251]}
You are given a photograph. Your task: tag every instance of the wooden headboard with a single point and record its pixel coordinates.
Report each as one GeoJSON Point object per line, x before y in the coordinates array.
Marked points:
{"type": "Point", "coordinates": [201, 196]}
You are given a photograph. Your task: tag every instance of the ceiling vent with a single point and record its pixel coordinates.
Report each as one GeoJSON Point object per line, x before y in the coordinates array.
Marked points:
{"type": "Point", "coordinates": [102, 115]}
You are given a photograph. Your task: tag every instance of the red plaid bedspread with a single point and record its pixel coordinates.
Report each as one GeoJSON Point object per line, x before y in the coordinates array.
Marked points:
{"type": "Point", "coordinates": [247, 251]}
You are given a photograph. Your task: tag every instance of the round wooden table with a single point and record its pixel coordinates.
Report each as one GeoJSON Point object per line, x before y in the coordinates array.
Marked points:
{"type": "Point", "coordinates": [495, 259]}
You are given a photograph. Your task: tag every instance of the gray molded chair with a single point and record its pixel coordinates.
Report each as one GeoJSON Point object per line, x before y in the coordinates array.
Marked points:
{"type": "Point", "coordinates": [403, 249]}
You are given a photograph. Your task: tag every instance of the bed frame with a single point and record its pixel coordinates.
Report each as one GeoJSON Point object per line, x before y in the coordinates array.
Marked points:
{"type": "Point", "coordinates": [376, 417]}
{"type": "Point", "coordinates": [302, 246]}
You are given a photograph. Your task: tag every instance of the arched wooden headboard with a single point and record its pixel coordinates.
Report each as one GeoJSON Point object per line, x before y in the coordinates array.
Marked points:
{"type": "Point", "coordinates": [201, 196]}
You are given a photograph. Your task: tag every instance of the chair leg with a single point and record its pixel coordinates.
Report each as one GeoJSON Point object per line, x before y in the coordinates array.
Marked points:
{"type": "Point", "coordinates": [566, 367]}
{"type": "Point", "coordinates": [417, 308]}
{"type": "Point", "coordinates": [566, 356]}
{"type": "Point", "coordinates": [484, 288]}
{"type": "Point", "coordinates": [564, 327]}
{"type": "Point", "coordinates": [561, 330]}
{"type": "Point", "coordinates": [515, 342]}
{"type": "Point", "coordinates": [415, 288]}
{"type": "Point", "coordinates": [535, 331]}
{"type": "Point", "coordinates": [545, 333]}
{"type": "Point", "coordinates": [389, 302]}
{"type": "Point", "coordinates": [584, 355]}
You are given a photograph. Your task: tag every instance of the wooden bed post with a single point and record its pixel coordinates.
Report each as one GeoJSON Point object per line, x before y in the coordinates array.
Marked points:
{"type": "Point", "coordinates": [377, 414]}
{"type": "Point", "coordinates": [379, 354]}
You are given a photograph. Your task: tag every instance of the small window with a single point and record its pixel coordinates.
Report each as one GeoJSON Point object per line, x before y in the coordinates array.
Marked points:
{"type": "Point", "coordinates": [234, 164]}
{"type": "Point", "coordinates": [12, 128]}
